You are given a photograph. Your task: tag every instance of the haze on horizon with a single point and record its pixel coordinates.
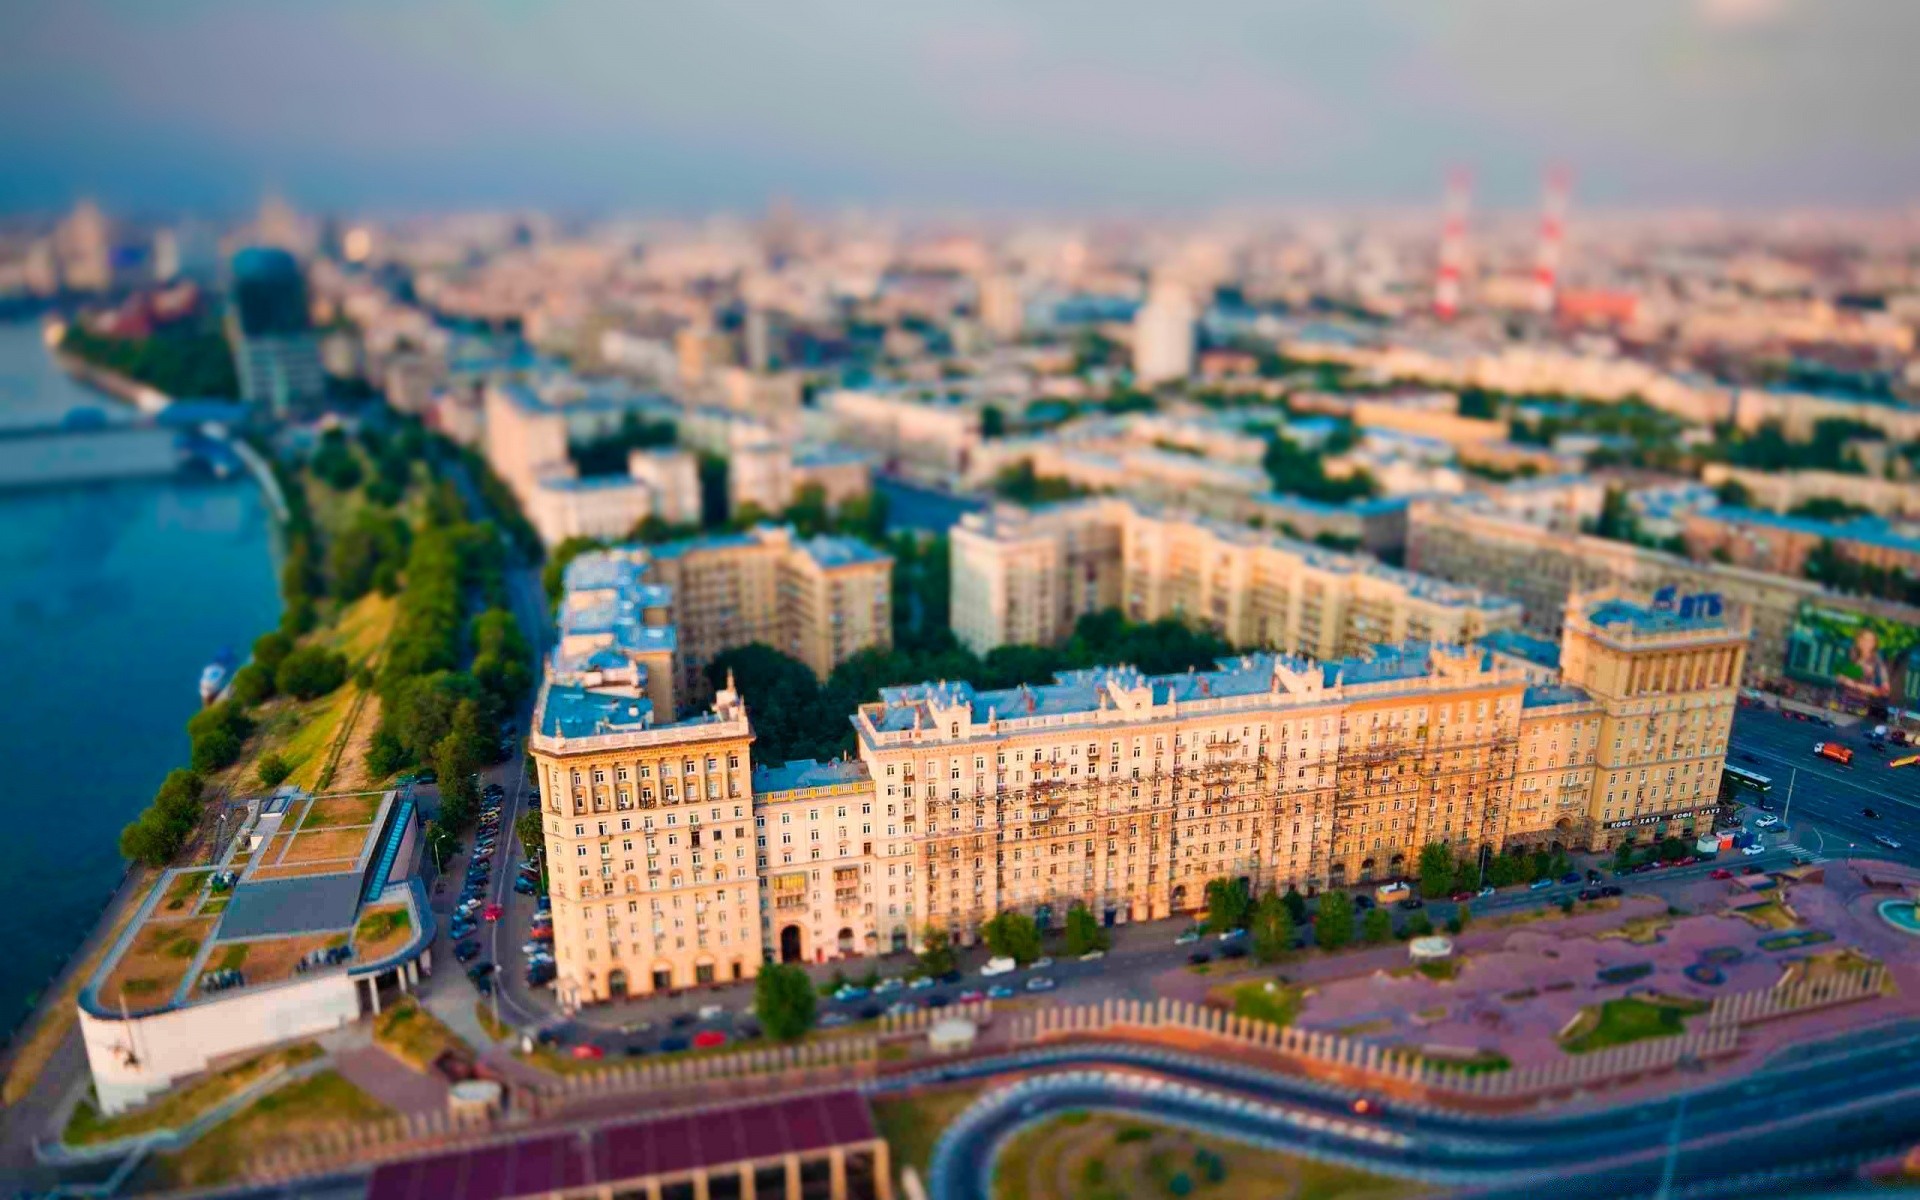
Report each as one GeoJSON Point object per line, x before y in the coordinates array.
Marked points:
{"type": "Point", "coordinates": [989, 103]}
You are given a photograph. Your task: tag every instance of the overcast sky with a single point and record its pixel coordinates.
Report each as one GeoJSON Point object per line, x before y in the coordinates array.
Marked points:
{"type": "Point", "coordinates": [1006, 103]}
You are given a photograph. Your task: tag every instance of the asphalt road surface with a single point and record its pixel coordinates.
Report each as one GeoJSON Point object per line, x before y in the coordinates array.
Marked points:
{"type": "Point", "coordinates": [1826, 810]}
{"type": "Point", "coordinates": [1849, 1101]}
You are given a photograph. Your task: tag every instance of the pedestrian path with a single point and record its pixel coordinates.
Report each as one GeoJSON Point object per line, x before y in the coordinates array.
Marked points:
{"type": "Point", "coordinates": [1796, 848]}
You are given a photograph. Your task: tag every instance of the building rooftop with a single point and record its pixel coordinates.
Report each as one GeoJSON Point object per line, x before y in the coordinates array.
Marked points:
{"type": "Point", "coordinates": [1544, 651]}
{"type": "Point", "coordinates": [1672, 615]}
{"type": "Point", "coordinates": [1867, 530]}
{"type": "Point", "coordinates": [832, 551]}
{"type": "Point", "coordinates": [1547, 695]}
{"type": "Point", "coordinates": [568, 710]}
{"type": "Point", "coordinates": [578, 1160]}
{"type": "Point", "coordinates": [807, 773]}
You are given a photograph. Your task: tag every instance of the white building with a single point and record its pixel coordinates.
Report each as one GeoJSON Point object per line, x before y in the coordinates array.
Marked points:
{"type": "Point", "coordinates": [1163, 336]}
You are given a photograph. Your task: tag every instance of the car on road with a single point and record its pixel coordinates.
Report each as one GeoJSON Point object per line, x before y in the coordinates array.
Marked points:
{"type": "Point", "coordinates": [1093, 956]}
{"type": "Point", "coordinates": [1589, 893]}
{"type": "Point", "coordinates": [844, 993]}
{"type": "Point", "coordinates": [999, 964]}
{"type": "Point", "coordinates": [461, 927]}
{"type": "Point", "coordinates": [971, 995]}
{"type": "Point", "coordinates": [1187, 937]}
{"type": "Point", "coordinates": [1411, 903]}
{"type": "Point", "coordinates": [480, 970]}
{"type": "Point", "coordinates": [920, 983]}
{"type": "Point", "coordinates": [1571, 877]}
{"type": "Point", "coordinates": [1719, 873]}
{"type": "Point", "coordinates": [673, 1045]}
{"type": "Point", "coordinates": [1484, 892]}
{"type": "Point", "coordinates": [1001, 991]}
{"type": "Point", "coordinates": [902, 1007]}
{"type": "Point", "coordinates": [835, 1020]}
{"type": "Point", "coordinates": [466, 951]}
{"type": "Point", "coordinates": [1236, 950]}
{"type": "Point", "coordinates": [1766, 822]}
{"type": "Point", "coordinates": [1041, 963]}
{"type": "Point", "coordinates": [1754, 849]}
{"type": "Point", "coordinates": [1040, 983]}
{"type": "Point", "coordinates": [493, 912]}
{"type": "Point", "coordinates": [1362, 902]}
{"type": "Point", "coordinates": [707, 1039]}
{"type": "Point", "coordinates": [1870, 813]}
{"type": "Point", "coordinates": [525, 886]}
{"type": "Point", "coordinates": [1199, 958]}
{"type": "Point", "coordinates": [484, 985]}
{"type": "Point", "coordinates": [1612, 889]}
{"type": "Point", "coordinates": [587, 1051]}
{"type": "Point", "coordinates": [889, 985]}
{"type": "Point", "coordinates": [1461, 897]}
{"type": "Point", "coordinates": [711, 1012]}
{"type": "Point", "coordinates": [1537, 884]}
{"type": "Point", "coordinates": [1891, 843]}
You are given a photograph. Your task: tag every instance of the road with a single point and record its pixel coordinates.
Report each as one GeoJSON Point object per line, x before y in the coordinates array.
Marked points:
{"type": "Point", "coordinates": [1851, 1101]}
{"type": "Point", "coordinates": [1828, 800]}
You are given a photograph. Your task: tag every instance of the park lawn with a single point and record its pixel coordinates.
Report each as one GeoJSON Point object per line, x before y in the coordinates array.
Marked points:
{"type": "Point", "coordinates": [1105, 1156]}
{"type": "Point", "coordinates": [1773, 915]}
{"type": "Point", "coordinates": [341, 810]}
{"type": "Point", "coordinates": [184, 888]}
{"type": "Point", "coordinates": [496, 1029]}
{"type": "Point", "coordinates": [182, 1105]}
{"type": "Point", "coordinates": [912, 1124]}
{"type": "Point", "coordinates": [1629, 1019]}
{"type": "Point", "coordinates": [381, 931]}
{"type": "Point", "coordinates": [1638, 931]}
{"type": "Point", "coordinates": [1252, 1000]}
{"type": "Point", "coordinates": [415, 1036]}
{"type": "Point", "coordinates": [274, 1121]}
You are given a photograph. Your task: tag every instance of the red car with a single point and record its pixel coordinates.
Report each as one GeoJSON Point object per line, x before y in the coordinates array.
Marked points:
{"type": "Point", "coordinates": [492, 912]}
{"type": "Point", "coordinates": [1461, 897]}
{"type": "Point", "coordinates": [706, 1039]}
{"type": "Point", "coordinates": [587, 1050]}
{"type": "Point", "coordinates": [1719, 873]}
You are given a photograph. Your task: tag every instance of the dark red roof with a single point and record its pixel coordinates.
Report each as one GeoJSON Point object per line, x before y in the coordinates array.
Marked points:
{"type": "Point", "coordinates": [550, 1162]}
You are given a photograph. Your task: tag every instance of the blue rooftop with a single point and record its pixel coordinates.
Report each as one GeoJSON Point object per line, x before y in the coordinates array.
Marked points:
{"type": "Point", "coordinates": [570, 711]}
{"type": "Point", "coordinates": [1872, 531]}
{"type": "Point", "coordinates": [1547, 695]}
{"type": "Point", "coordinates": [831, 551]}
{"type": "Point", "coordinates": [1543, 651]}
{"type": "Point", "coordinates": [1641, 618]}
{"type": "Point", "coordinates": [807, 773]}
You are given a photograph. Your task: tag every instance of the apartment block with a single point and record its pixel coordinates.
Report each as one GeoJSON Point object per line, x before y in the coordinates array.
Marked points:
{"type": "Point", "coordinates": [1027, 576]}
{"type": "Point", "coordinates": [650, 618]}
{"type": "Point", "coordinates": [1544, 567]}
{"type": "Point", "coordinates": [837, 863]}
{"type": "Point", "coordinates": [649, 839]}
{"type": "Point", "coordinates": [1782, 543]}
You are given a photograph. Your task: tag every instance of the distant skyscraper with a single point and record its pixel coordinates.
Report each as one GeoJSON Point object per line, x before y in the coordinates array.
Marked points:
{"type": "Point", "coordinates": [759, 339]}
{"type": "Point", "coordinates": [1003, 309]}
{"type": "Point", "coordinates": [85, 249]}
{"type": "Point", "coordinates": [1163, 336]}
{"type": "Point", "coordinates": [275, 351]}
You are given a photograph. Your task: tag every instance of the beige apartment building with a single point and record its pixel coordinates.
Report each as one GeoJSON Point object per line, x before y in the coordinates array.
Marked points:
{"type": "Point", "coordinates": [1543, 568]}
{"type": "Point", "coordinates": [1025, 576]}
{"type": "Point", "coordinates": [649, 839]}
{"type": "Point", "coordinates": [1116, 790]}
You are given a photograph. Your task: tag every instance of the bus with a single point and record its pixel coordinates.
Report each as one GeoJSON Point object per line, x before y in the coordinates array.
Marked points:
{"type": "Point", "coordinates": [1734, 779]}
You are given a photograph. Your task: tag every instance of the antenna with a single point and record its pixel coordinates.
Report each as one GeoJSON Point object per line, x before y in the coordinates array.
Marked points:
{"type": "Point", "coordinates": [1553, 219]}
{"type": "Point", "coordinates": [1453, 244]}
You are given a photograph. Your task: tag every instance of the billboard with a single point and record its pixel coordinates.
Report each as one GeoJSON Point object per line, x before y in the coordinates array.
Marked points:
{"type": "Point", "coordinates": [1869, 658]}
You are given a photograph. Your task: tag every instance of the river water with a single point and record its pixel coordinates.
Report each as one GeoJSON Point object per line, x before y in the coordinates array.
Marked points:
{"type": "Point", "coordinates": [112, 598]}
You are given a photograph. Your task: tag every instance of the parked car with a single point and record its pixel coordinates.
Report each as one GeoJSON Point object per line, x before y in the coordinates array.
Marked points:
{"type": "Point", "coordinates": [706, 1039]}
{"type": "Point", "coordinates": [466, 951]}
{"type": "Point", "coordinates": [1228, 935]}
{"type": "Point", "coordinates": [1537, 884]}
{"type": "Point", "coordinates": [1754, 849]}
{"type": "Point", "coordinates": [971, 995]}
{"type": "Point", "coordinates": [1570, 877]}
{"type": "Point", "coordinates": [673, 1045]}
{"type": "Point", "coordinates": [835, 1020]}
{"type": "Point", "coordinates": [1719, 873]}
{"type": "Point", "coordinates": [588, 1051]}
{"type": "Point", "coordinates": [1484, 892]}
{"type": "Point", "coordinates": [1199, 958]}
{"type": "Point", "coordinates": [492, 912]}
{"type": "Point", "coordinates": [1411, 903]}
{"type": "Point", "coordinates": [1040, 983]}
{"type": "Point", "coordinates": [1766, 822]}
{"type": "Point", "coordinates": [850, 991]}
{"type": "Point", "coordinates": [1235, 950]}
{"type": "Point", "coordinates": [920, 983]}
{"type": "Point", "coordinates": [1001, 991]}
{"type": "Point", "coordinates": [1612, 889]}
{"type": "Point", "coordinates": [999, 964]}
{"type": "Point", "coordinates": [889, 985]}
{"type": "Point", "coordinates": [1093, 956]}
{"type": "Point", "coordinates": [1461, 897]}
{"type": "Point", "coordinates": [1891, 843]}
{"type": "Point", "coordinates": [1187, 937]}
{"type": "Point", "coordinates": [525, 886]}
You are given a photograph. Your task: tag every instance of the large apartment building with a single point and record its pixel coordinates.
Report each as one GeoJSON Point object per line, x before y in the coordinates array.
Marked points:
{"type": "Point", "coordinates": [650, 618]}
{"type": "Point", "coordinates": [1025, 576]}
{"type": "Point", "coordinates": [1544, 567]}
{"type": "Point", "coordinates": [1117, 790]}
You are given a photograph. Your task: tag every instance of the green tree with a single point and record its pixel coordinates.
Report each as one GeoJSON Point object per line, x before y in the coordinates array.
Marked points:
{"type": "Point", "coordinates": [784, 1000]}
{"type": "Point", "coordinates": [1296, 905]}
{"type": "Point", "coordinates": [252, 684]}
{"type": "Point", "coordinates": [1376, 927]}
{"type": "Point", "coordinates": [311, 671]}
{"type": "Point", "coordinates": [1334, 928]}
{"type": "Point", "coordinates": [553, 575]}
{"type": "Point", "coordinates": [1419, 925]}
{"type": "Point", "coordinates": [1084, 934]}
{"type": "Point", "coordinates": [1013, 935]}
{"type": "Point", "coordinates": [1227, 904]}
{"type": "Point", "coordinates": [215, 749]}
{"type": "Point", "coordinates": [526, 827]}
{"type": "Point", "coordinates": [1272, 930]}
{"type": "Point", "coordinates": [936, 954]}
{"type": "Point", "coordinates": [1436, 870]}
{"type": "Point", "coordinates": [993, 422]}
{"type": "Point", "coordinates": [270, 649]}
{"type": "Point", "coordinates": [272, 770]}
{"type": "Point", "coordinates": [1623, 854]}
{"type": "Point", "coordinates": [1505, 870]}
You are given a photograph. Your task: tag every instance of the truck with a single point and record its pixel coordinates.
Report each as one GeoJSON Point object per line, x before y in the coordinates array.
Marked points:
{"type": "Point", "coordinates": [1834, 752]}
{"type": "Point", "coordinates": [1388, 893]}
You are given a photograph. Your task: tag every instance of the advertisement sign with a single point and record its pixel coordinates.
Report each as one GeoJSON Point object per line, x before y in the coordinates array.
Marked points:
{"type": "Point", "coordinates": [1869, 658]}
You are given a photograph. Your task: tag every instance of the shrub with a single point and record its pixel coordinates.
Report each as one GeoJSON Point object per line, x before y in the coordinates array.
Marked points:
{"type": "Point", "coordinates": [215, 749]}
{"type": "Point", "coordinates": [273, 770]}
{"type": "Point", "coordinates": [252, 684]}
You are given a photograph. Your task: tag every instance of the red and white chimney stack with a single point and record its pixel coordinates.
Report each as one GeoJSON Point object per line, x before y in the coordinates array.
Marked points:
{"type": "Point", "coordinates": [1453, 244]}
{"type": "Point", "coordinates": [1553, 222]}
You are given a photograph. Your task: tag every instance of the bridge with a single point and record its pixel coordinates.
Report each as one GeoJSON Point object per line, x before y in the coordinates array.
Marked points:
{"type": "Point", "coordinates": [91, 447]}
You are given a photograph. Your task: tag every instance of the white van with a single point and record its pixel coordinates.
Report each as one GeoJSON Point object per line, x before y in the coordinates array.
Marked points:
{"type": "Point", "coordinates": [999, 965]}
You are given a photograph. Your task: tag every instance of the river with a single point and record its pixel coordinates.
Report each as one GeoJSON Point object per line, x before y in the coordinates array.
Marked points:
{"type": "Point", "coordinates": [111, 600]}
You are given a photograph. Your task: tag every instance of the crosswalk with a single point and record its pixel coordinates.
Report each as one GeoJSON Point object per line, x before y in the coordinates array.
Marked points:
{"type": "Point", "coordinates": [1796, 849]}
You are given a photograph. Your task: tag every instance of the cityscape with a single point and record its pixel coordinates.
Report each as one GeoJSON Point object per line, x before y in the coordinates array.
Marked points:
{"type": "Point", "coordinates": [961, 604]}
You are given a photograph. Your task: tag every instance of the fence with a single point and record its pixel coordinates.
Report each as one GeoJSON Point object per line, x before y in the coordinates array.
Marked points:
{"type": "Point", "coordinates": [666, 1080]}
{"type": "Point", "coordinates": [980, 1012]}
{"type": "Point", "coordinates": [1718, 1036]}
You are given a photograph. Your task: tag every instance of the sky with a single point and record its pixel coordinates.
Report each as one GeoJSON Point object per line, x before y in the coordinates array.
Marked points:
{"type": "Point", "coordinates": [1015, 104]}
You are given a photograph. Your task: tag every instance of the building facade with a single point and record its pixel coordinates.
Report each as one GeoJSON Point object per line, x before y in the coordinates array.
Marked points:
{"type": "Point", "coordinates": [1024, 576]}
